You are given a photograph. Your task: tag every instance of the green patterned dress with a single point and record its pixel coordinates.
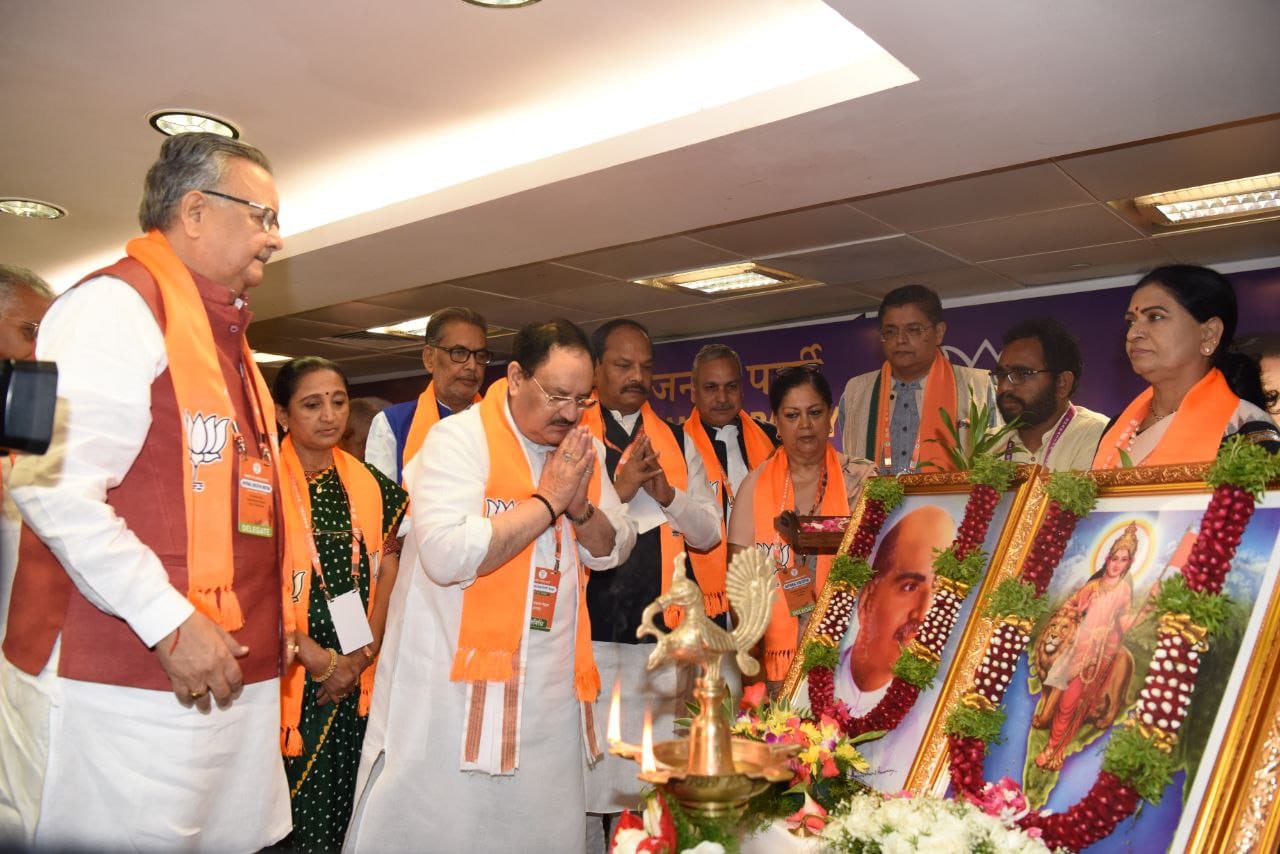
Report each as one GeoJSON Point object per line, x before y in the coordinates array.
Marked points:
{"type": "Point", "coordinates": [322, 780]}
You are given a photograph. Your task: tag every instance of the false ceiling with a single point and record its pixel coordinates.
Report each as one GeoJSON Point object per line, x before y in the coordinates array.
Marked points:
{"type": "Point", "coordinates": [988, 173]}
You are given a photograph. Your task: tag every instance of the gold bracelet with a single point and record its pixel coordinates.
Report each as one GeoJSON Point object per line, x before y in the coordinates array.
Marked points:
{"type": "Point", "coordinates": [579, 521]}
{"type": "Point", "coordinates": [333, 665]}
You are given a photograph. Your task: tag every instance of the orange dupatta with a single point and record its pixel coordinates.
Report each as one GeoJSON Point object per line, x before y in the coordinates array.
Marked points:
{"type": "Point", "coordinates": [671, 458]}
{"type": "Point", "coordinates": [770, 499]}
{"type": "Point", "coordinates": [364, 497]}
{"type": "Point", "coordinates": [939, 393]}
{"type": "Point", "coordinates": [424, 418]}
{"type": "Point", "coordinates": [207, 417]}
{"type": "Point", "coordinates": [1194, 434]}
{"type": "Point", "coordinates": [709, 567]}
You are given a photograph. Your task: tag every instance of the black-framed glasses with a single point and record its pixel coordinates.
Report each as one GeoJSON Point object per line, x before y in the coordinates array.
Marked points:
{"type": "Point", "coordinates": [270, 218]}
{"type": "Point", "coordinates": [1016, 376]}
{"type": "Point", "coordinates": [558, 401]}
{"type": "Point", "coordinates": [460, 354]}
{"type": "Point", "coordinates": [913, 331]}
{"type": "Point", "coordinates": [29, 327]}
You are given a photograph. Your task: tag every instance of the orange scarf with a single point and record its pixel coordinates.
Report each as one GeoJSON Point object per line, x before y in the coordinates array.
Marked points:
{"type": "Point", "coordinates": [207, 417]}
{"type": "Point", "coordinates": [364, 497]}
{"type": "Point", "coordinates": [494, 608]}
{"type": "Point", "coordinates": [709, 566]}
{"type": "Point", "coordinates": [939, 393]}
{"type": "Point", "coordinates": [671, 459]}
{"type": "Point", "coordinates": [424, 418]}
{"type": "Point", "coordinates": [1194, 434]}
{"type": "Point", "coordinates": [773, 483]}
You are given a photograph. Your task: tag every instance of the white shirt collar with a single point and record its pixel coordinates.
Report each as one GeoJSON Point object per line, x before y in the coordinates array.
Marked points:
{"type": "Point", "coordinates": [628, 422]}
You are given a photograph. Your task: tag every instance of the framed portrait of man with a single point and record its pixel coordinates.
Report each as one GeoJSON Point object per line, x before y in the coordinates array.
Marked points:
{"type": "Point", "coordinates": [890, 610]}
{"type": "Point", "coordinates": [1084, 675]}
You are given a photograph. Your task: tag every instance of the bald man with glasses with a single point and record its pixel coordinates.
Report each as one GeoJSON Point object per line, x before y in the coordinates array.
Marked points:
{"type": "Point", "coordinates": [890, 415]}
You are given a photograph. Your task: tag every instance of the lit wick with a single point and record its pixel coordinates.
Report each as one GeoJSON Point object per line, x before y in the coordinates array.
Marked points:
{"type": "Point", "coordinates": [647, 760]}
{"type": "Point", "coordinates": [615, 714]}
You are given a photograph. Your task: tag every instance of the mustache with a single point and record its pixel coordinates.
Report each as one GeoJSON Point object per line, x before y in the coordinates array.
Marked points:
{"type": "Point", "coordinates": [1010, 398]}
{"type": "Point", "coordinates": [562, 422]}
{"type": "Point", "coordinates": [906, 632]}
{"type": "Point", "coordinates": [634, 387]}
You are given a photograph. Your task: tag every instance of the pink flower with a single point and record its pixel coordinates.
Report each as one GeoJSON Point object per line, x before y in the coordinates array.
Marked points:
{"type": "Point", "coordinates": [809, 820]}
{"type": "Point", "coordinates": [753, 696]}
{"type": "Point", "coordinates": [1003, 800]}
{"type": "Point", "coordinates": [829, 768]}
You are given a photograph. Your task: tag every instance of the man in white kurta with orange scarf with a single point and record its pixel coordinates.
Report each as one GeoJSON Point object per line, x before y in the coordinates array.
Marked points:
{"type": "Point", "coordinates": [482, 710]}
{"type": "Point", "coordinates": [140, 683]}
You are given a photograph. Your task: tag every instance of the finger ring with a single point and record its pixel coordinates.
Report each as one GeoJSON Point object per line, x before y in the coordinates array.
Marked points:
{"type": "Point", "coordinates": [196, 695]}
{"type": "Point", "coordinates": [568, 456]}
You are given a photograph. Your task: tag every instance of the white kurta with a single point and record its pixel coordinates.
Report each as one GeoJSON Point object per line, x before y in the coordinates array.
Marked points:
{"type": "Point", "coordinates": [100, 766]}
{"type": "Point", "coordinates": [1075, 447]}
{"type": "Point", "coordinates": [411, 793]}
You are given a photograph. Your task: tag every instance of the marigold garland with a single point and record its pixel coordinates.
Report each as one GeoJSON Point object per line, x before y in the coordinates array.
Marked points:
{"type": "Point", "coordinates": [958, 567]}
{"type": "Point", "coordinates": [1137, 764]}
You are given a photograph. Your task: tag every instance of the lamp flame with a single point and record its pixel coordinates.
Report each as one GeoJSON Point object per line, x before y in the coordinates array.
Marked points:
{"type": "Point", "coordinates": [615, 714]}
{"type": "Point", "coordinates": [648, 762]}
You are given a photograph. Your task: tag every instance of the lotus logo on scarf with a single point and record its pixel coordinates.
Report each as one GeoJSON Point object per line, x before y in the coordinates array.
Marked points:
{"type": "Point", "coordinates": [206, 439]}
{"type": "Point", "coordinates": [298, 577]}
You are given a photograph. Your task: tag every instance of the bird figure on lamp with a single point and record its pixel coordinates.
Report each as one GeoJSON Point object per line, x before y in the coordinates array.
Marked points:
{"type": "Point", "coordinates": [697, 640]}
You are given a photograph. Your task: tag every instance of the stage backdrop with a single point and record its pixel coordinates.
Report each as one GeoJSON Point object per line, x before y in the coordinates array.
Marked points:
{"type": "Point", "coordinates": [850, 347]}
{"type": "Point", "coordinates": [846, 348]}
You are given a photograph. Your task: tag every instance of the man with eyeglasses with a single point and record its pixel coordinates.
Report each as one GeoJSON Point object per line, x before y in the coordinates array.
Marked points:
{"type": "Point", "coordinates": [892, 415]}
{"type": "Point", "coordinates": [24, 298]}
{"type": "Point", "coordinates": [1037, 373]}
{"type": "Point", "coordinates": [150, 648]}
{"type": "Point", "coordinates": [674, 511]}
{"type": "Point", "coordinates": [483, 717]}
{"type": "Point", "coordinates": [455, 357]}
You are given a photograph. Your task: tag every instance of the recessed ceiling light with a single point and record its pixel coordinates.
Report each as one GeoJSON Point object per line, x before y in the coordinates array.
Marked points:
{"type": "Point", "coordinates": [31, 209]}
{"type": "Point", "coordinates": [174, 122]}
{"type": "Point", "coordinates": [501, 4]}
{"type": "Point", "coordinates": [728, 280]}
{"type": "Point", "coordinates": [1239, 200]}
{"type": "Point", "coordinates": [269, 358]}
{"type": "Point", "coordinates": [415, 328]}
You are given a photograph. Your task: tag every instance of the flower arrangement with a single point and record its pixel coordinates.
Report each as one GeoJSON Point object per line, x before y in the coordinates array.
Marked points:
{"type": "Point", "coordinates": [1137, 764]}
{"type": "Point", "coordinates": [875, 823]}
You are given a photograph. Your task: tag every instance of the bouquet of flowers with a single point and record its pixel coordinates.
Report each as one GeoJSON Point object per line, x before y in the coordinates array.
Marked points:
{"type": "Point", "coordinates": [902, 823]}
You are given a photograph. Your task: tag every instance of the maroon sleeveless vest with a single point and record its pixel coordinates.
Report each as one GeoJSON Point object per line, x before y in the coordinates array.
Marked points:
{"type": "Point", "coordinates": [98, 647]}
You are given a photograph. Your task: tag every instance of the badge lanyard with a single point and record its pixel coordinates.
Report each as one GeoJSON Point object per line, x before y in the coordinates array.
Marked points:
{"type": "Point", "coordinates": [1057, 434]}
{"type": "Point", "coordinates": [259, 421]}
{"type": "Point", "coordinates": [797, 588]}
{"type": "Point", "coordinates": [546, 587]}
{"type": "Point", "coordinates": [356, 539]}
{"type": "Point", "coordinates": [886, 450]}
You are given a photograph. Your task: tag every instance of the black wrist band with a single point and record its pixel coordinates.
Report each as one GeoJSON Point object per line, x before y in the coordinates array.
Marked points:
{"type": "Point", "coordinates": [547, 504]}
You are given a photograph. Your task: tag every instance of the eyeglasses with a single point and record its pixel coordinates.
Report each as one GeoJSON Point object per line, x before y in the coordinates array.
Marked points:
{"type": "Point", "coordinates": [1016, 376]}
{"type": "Point", "coordinates": [270, 219]}
{"type": "Point", "coordinates": [913, 331]}
{"type": "Point", "coordinates": [558, 401]}
{"type": "Point", "coordinates": [460, 355]}
{"type": "Point", "coordinates": [29, 327]}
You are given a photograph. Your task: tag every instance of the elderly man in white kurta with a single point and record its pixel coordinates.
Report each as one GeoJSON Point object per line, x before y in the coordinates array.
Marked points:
{"type": "Point", "coordinates": [140, 689]}
{"type": "Point", "coordinates": [481, 720]}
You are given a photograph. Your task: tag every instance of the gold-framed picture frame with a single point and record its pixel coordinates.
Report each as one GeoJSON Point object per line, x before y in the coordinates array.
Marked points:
{"type": "Point", "coordinates": [925, 493]}
{"type": "Point", "coordinates": [1224, 790]}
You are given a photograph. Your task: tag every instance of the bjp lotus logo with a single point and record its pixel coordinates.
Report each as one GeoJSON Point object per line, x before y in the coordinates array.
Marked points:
{"type": "Point", "coordinates": [206, 439]}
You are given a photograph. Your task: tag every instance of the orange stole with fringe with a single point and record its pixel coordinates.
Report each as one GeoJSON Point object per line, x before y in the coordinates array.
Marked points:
{"type": "Point", "coordinates": [364, 497]}
{"type": "Point", "coordinates": [494, 607]}
{"type": "Point", "coordinates": [1194, 435]}
{"type": "Point", "coordinates": [780, 637]}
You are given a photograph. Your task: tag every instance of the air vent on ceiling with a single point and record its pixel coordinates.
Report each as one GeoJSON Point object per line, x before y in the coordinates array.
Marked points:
{"type": "Point", "coordinates": [373, 340]}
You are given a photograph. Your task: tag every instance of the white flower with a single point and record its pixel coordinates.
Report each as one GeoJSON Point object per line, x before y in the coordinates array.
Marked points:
{"type": "Point", "coordinates": [625, 841]}
{"type": "Point", "coordinates": [705, 847]}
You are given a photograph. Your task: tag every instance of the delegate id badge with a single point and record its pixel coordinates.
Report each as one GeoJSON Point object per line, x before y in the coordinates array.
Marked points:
{"type": "Point", "coordinates": [797, 587]}
{"type": "Point", "coordinates": [546, 583]}
{"type": "Point", "coordinates": [350, 621]}
{"type": "Point", "coordinates": [257, 509]}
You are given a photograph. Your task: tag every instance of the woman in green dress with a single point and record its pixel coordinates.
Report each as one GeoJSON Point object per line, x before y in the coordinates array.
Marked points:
{"type": "Point", "coordinates": [338, 512]}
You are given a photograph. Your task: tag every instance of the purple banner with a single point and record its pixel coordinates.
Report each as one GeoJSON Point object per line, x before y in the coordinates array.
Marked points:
{"type": "Point", "coordinates": [847, 348]}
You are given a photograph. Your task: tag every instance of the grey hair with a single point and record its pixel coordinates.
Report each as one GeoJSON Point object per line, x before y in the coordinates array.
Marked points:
{"type": "Point", "coordinates": [189, 161]}
{"type": "Point", "coordinates": [13, 277]}
{"type": "Point", "coordinates": [452, 314]}
{"type": "Point", "coordinates": [712, 352]}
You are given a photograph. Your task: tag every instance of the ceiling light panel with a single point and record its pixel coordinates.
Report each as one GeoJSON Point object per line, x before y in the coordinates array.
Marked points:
{"type": "Point", "coordinates": [174, 122]}
{"type": "Point", "coordinates": [1252, 198]}
{"type": "Point", "coordinates": [31, 209]}
{"type": "Point", "coordinates": [728, 280]}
